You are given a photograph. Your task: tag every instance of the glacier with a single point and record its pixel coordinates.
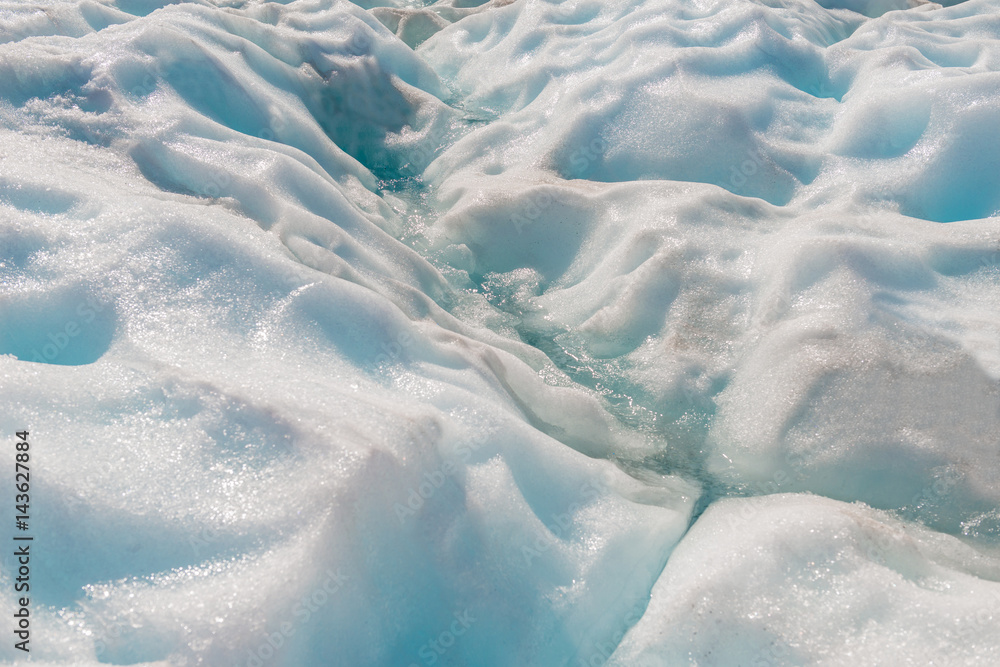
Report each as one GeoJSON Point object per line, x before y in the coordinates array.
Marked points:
{"type": "Point", "coordinates": [519, 332]}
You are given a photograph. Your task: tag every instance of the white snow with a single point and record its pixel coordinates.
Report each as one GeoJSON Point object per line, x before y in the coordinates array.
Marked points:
{"type": "Point", "coordinates": [512, 333]}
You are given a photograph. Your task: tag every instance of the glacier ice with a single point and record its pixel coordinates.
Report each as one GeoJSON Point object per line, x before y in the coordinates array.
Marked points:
{"type": "Point", "coordinates": [511, 332]}
{"type": "Point", "coordinates": [798, 579]}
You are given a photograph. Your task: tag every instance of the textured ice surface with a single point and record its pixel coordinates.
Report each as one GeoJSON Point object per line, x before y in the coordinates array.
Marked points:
{"type": "Point", "coordinates": [470, 333]}
{"type": "Point", "coordinates": [797, 580]}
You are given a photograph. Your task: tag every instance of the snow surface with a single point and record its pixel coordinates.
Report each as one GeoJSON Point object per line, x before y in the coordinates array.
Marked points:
{"type": "Point", "coordinates": [639, 332]}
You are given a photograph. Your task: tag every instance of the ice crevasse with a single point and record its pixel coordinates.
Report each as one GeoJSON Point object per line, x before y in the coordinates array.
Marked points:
{"type": "Point", "coordinates": [512, 333]}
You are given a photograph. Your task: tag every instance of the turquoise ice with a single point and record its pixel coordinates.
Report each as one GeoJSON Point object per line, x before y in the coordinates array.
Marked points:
{"type": "Point", "coordinates": [636, 332]}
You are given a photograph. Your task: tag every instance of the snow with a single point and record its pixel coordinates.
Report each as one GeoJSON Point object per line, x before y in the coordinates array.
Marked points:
{"type": "Point", "coordinates": [508, 333]}
{"type": "Point", "coordinates": [794, 579]}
